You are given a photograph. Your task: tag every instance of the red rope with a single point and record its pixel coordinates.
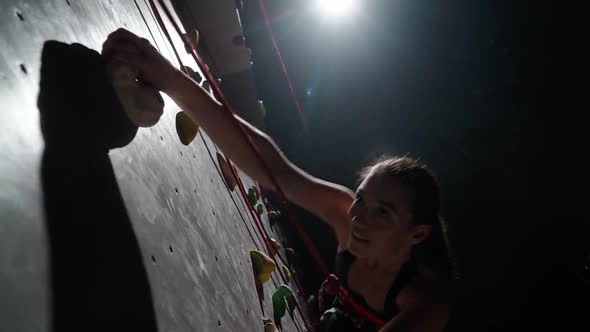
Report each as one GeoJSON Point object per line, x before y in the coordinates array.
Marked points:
{"type": "Point", "coordinates": [345, 297]}
{"type": "Point", "coordinates": [227, 110]}
{"type": "Point", "coordinates": [271, 35]}
{"type": "Point", "coordinates": [266, 235]}
{"type": "Point", "coordinates": [220, 96]}
{"type": "Point", "coordinates": [209, 77]}
{"type": "Point", "coordinates": [218, 92]}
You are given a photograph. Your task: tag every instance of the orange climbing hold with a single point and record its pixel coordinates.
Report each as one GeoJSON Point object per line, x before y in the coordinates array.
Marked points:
{"type": "Point", "coordinates": [226, 171]}
{"type": "Point", "coordinates": [193, 40]}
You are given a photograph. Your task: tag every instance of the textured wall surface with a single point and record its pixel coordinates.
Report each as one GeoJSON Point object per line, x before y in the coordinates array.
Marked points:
{"type": "Point", "coordinates": [144, 236]}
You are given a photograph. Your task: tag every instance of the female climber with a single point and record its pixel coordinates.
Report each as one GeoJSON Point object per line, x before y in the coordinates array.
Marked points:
{"type": "Point", "coordinates": [392, 254]}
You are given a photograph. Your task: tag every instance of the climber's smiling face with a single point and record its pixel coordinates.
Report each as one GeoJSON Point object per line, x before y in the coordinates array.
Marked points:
{"type": "Point", "coordinates": [381, 218]}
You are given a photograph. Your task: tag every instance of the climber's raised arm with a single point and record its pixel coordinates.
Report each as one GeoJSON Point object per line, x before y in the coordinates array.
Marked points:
{"type": "Point", "coordinates": [327, 200]}
{"type": "Point", "coordinates": [396, 256]}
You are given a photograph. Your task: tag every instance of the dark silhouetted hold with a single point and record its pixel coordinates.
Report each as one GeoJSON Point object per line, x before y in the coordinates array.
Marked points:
{"type": "Point", "coordinates": [79, 108]}
{"type": "Point", "coordinates": [98, 281]}
{"type": "Point", "coordinates": [186, 129]}
{"type": "Point", "coordinates": [274, 217]}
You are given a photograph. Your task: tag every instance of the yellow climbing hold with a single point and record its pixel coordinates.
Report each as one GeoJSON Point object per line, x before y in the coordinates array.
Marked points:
{"type": "Point", "coordinates": [286, 272]}
{"type": "Point", "coordinates": [262, 266]}
{"type": "Point", "coordinates": [185, 128]}
{"type": "Point", "coordinates": [275, 246]}
{"type": "Point", "coordinates": [269, 326]}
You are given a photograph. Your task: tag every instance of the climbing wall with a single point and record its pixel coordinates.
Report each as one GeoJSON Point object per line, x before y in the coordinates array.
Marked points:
{"type": "Point", "coordinates": [104, 226]}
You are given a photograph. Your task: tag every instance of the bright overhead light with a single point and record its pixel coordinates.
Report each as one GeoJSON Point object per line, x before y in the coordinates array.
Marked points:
{"type": "Point", "coordinates": [336, 8]}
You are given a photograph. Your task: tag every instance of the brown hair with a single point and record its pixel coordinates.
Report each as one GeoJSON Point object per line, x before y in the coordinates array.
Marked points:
{"type": "Point", "coordinates": [433, 252]}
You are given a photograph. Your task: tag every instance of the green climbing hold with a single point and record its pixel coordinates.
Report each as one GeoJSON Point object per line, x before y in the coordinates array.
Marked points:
{"type": "Point", "coordinates": [291, 304]}
{"type": "Point", "coordinates": [252, 196]}
{"type": "Point", "coordinates": [279, 303]}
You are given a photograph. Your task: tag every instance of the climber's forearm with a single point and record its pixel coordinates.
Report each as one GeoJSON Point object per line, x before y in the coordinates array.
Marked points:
{"type": "Point", "coordinates": [210, 116]}
{"type": "Point", "coordinates": [324, 199]}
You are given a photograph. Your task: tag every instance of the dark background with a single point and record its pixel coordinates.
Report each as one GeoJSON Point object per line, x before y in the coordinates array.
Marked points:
{"type": "Point", "coordinates": [487, 94]}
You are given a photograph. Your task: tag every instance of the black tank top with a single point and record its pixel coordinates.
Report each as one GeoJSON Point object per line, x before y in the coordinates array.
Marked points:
{"type": "Point", "coordinates": [342, 265]}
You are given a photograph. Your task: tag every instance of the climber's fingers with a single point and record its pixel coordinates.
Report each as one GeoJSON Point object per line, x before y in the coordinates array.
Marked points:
{"type": "Point", "coordinates": [154, 69]}
{"type": "Point", "coordinates": [120, 35]}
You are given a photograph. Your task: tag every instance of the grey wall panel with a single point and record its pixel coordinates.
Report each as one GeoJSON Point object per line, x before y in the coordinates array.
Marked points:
{"type": "Point", "coordinates": [145, 237]}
